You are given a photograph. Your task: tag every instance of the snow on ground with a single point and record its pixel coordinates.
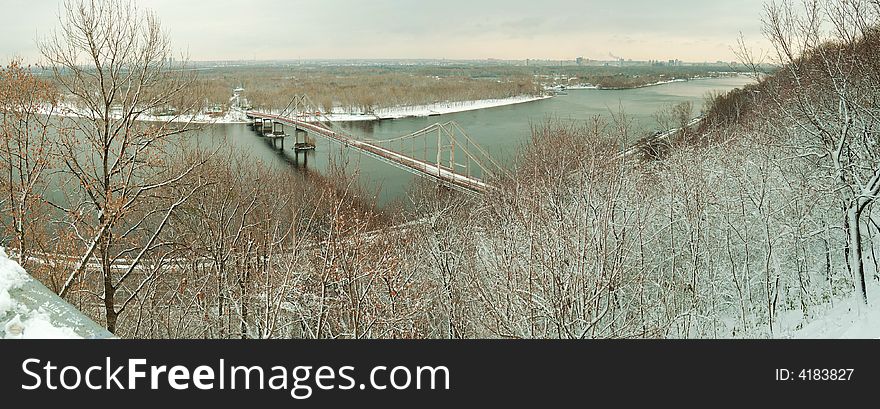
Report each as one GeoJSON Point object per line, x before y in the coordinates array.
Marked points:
{"type": "Point", "coordinates": [654, 84]}
{"type": "Point", "coordinates": [231, 117]}
{"type": "Point", "coordinates": [12, 276]}
{"type": "Point", "coordinates": [847, 318]}
{"type": "Point", "coordinates": [16, 320]}
{"type": "Point", "coordinates": [563, 87]}
{"type": "Point", "coordinates": [340, 114]}
{"type": "Point", "coordinates": [582, 87]}
{"type": "Point", "coordinates": [442, 108]}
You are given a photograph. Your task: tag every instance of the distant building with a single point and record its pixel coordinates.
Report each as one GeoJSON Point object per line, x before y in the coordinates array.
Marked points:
{"type": "Point", "coordinates": [237, 101]}
{"type": "Point", "coordinates": [579, 60]}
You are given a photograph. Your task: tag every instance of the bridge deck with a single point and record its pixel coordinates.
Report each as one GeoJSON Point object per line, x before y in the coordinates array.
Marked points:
{"type": "Point", "coordinates": [417, 166]}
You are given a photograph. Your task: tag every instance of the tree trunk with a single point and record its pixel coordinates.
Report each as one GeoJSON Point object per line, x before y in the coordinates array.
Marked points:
{"type": "Point", "coordinates": [109, 290]}
{"type": "Point", "coordinates": [109, 303]}
{"type": "Point", "coordinates": [854, 248]}
{"type": "Point", "coordinates": [243, 288]}
{"type": "Point", "coordinates": [19, 231]}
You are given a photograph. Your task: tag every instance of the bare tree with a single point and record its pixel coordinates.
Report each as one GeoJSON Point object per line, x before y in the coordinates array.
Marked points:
{"type": "Point", "coordinates": [26, 105]}
{"type": "Point", "coordinates": [115, 64]}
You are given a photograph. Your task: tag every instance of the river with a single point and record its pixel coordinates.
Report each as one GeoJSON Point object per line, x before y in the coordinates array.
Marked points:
{"type": "Point", "coordinates": [500, 131]}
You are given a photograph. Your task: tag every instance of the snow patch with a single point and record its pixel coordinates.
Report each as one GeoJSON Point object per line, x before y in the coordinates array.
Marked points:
{"type": "Point", "coordinates": [847, 318]}
{"type": "Point", "coordinates": [25, 323]}
{"type": "Point", "coordinates": [441, 108]}
{"type": "Point", "coordinates": [230, 117]}
{"type": "Point", "coordinates": [38, 325]}
{"type": "Point", "coordinates": [12, 276]}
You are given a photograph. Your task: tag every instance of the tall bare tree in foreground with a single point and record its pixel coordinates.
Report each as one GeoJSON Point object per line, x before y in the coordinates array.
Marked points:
{"type": "Point", "coordinates": [114, 62]}
{"type": "Point", "coordinates": [828, 92]}
{"type": "Point", "coordinates": [26, 104]}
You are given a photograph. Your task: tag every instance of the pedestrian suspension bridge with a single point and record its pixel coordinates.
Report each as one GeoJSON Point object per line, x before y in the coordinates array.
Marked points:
{"type": "Point", "coordinates": [442, 151]}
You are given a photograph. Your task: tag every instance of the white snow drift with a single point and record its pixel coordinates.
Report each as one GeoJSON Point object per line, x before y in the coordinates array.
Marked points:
{"type": "Point", "coordinates": [24, 323]}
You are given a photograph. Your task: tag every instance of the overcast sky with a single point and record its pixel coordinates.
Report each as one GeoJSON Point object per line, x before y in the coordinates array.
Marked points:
{"type": "Point", "coordinates": [691, 30]}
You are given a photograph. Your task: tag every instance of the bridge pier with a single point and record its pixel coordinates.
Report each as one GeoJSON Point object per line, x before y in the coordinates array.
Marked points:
{"type": "Point", "coordinates": [304, 162]}
{"type": "Point", "coordinates": [277, 128]}
{"type": "Point", "coordinates": [303, 144]}
{"type": "Point", "coordinates": [277, 133]}
{"type": "Point", "coordinates": [266, 127]}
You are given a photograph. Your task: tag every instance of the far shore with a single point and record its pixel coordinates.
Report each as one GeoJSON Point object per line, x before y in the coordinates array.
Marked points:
{"type": "Point", "coordinates": [340, 115]}
{"type": "Point", "coordinates": [590, 87]}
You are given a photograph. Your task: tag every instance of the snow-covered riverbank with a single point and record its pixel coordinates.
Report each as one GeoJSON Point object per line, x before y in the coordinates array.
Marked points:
{"type": "Point", "coordinates": [442, 108]}
{"type": "Point", "coordinates": [653, 84]}
{"type": "Point", "coordinates": [586, 86]}
{"type": "Point", "coordinates": [339, 114]}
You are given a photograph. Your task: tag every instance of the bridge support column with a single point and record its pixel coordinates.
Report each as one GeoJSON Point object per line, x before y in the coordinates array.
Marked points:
{"type": "Point", "coordinates": [297, 133]}
{"type": "Point", "coordinates": [305, 159]}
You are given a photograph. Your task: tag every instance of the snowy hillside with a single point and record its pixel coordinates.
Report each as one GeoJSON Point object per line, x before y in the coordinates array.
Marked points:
{"type": "Point", "coordinates": [846, 318]}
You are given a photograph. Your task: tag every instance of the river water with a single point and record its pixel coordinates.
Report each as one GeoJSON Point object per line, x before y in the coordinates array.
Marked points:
{"type": "Point", "coordinates": [500, 131]}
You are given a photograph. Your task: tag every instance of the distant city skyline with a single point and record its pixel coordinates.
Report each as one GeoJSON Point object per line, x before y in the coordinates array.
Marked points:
{"type": "Point", "coordinates": [687, 30]}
